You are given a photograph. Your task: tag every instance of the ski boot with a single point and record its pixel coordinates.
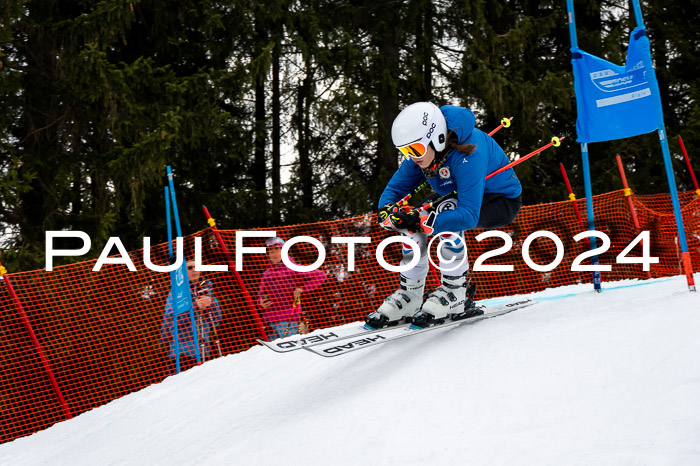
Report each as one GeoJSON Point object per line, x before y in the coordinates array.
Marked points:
{"type": "Point", "coordinates": [400, 306]}
{"type": "Point", "coordinates": [453, 299]}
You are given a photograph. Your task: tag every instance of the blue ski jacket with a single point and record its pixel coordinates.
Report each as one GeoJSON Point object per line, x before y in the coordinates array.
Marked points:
{"type": "Point", "coordinates": [462, 173]}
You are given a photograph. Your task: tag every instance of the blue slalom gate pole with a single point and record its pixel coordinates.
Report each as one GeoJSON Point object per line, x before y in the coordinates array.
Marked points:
{"type": "Point", "coordinates": [588, 189]}
{"type": "Point", "coordinates": [172, 194]}
{"type": "Point", "coordinates": [685, 254]}
{"type": "Point", "coordinates": [170, 229]}
{"type": "Point", "coordinates": [180, 288]}
{"type": "Point", "coordinates": [668, 165]}
{"type": "Point", "coordinates": [615, 102]}
{"type": "Point", "coordinates": [589, 213]}
{"type": "Point", "coordinates": [176, 342]}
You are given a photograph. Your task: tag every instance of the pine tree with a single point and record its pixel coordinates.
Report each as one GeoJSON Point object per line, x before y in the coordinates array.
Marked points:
{"type": "Point", "coordinates": [111, 93]}
{"type": "Point", "coordinates": [99, 96]}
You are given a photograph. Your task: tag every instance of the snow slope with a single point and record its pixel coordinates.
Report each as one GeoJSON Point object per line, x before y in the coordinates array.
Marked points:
{"type": "Point", "coordinates": [579, 379]}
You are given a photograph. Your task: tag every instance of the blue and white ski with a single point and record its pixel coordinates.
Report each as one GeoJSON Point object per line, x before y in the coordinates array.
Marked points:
{"type": "Point", "coordinates": [336, 347]}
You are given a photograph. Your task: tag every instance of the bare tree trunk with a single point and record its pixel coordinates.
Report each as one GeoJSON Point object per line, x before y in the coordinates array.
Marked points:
{"type": "Point", "coordinates": [388, 101]}
{"type": "Point", "coordinates": [424, 46]}
{"type": "Point", "coordinates": [259, 169]}
{"type": "Point", "coordinates": [303, 125]}
{"type": "Point", "coordinates": [276, 130]}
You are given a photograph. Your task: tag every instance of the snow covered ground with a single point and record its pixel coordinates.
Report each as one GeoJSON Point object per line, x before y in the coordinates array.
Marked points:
{"type": "Point", "coordinates": [579, 379]}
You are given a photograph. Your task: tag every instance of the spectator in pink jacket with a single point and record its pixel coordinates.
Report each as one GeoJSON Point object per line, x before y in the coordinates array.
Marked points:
{"type": "Point", "coordinates": [280, 292]}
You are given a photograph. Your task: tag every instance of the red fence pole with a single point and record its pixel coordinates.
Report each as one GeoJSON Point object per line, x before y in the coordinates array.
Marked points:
{"type": "Point", "coordinates": [690, 167]}
{"type": "Point", "coordinates": [628, 196]}
{"type": "Point", "coordinates": [232, 266]}
{"type": "Point", "coordinates": [35, 340]}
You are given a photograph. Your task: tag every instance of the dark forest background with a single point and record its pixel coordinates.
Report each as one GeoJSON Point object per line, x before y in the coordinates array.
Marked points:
{"type": "Point", "coordinates": [279, 112]}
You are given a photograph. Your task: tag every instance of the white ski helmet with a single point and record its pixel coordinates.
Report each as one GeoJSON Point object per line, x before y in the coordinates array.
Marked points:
{"type": "Point", "coordinates": [417, 126]}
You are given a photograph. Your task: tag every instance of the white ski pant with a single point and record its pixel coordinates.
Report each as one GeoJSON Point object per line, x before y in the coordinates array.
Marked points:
{"type": "Point", "coordinates": [451, 252]}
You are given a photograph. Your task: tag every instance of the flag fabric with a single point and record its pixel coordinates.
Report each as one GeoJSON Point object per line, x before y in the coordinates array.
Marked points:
{"type": "Point", "coordinates": [180, 290]}
{"type": "Point", "coordinates": [615, 102]}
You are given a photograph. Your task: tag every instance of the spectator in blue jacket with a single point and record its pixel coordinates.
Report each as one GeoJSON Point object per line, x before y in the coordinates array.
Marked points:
{"type": "Point", "coordinates": [207, 313]}
{"type": "Point", "coordinates": [443, 146]}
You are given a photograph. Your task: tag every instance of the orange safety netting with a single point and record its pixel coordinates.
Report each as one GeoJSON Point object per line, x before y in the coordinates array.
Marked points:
{"type": "Point", "coordinates": [101, 332]}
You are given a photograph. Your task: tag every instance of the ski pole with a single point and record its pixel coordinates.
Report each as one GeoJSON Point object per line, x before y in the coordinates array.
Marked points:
{"type": "Point", "coordinates": [303, 323]}
{"type": "Point", "coordinates": [555, 142]}
{"type": "Point", "coordinates": [201, 340]}
{"type": "Point", "coordinates": [505, 123]}
{"type": "Point", "coordinates": [408, 196]}
{"type": "Point", "coordinates": [216, 340]}
{"type": "Point", "coordinates": [690, 167]}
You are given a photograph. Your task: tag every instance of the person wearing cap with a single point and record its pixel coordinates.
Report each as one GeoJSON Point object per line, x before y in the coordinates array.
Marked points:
{"type": "Point", "coordinates": [443, 146]}
{"type": "Point", "coordinates": [280, 292]}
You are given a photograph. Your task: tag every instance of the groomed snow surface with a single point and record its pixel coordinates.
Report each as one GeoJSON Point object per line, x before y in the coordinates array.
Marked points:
{"type": "Point", "coordinates": [578, 379]}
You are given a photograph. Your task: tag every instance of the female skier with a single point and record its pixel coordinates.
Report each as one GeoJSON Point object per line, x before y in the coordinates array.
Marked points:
{"type": "Point", "coordinates": [442, 145]}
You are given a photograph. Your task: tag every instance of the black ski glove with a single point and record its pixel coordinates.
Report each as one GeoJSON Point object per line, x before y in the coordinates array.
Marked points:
{"type": "Point", "coordinates": [383, 215]}
{"type": "Point", "coordinates": [406, 221]}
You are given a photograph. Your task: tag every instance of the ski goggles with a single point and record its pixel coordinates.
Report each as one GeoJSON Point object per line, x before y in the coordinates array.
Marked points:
{"type": "Point", "coordinates": [275, 242]}
{"type": "Point", "coordinates": [416, 150]}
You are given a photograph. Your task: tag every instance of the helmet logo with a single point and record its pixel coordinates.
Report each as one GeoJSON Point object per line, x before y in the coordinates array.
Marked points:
{"type": "Point", "coordinates": [425, 119]}
{"type": "Point", "coordinates": [441, 138]}
{"type": "Point", "coordinates": [430, 131]}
